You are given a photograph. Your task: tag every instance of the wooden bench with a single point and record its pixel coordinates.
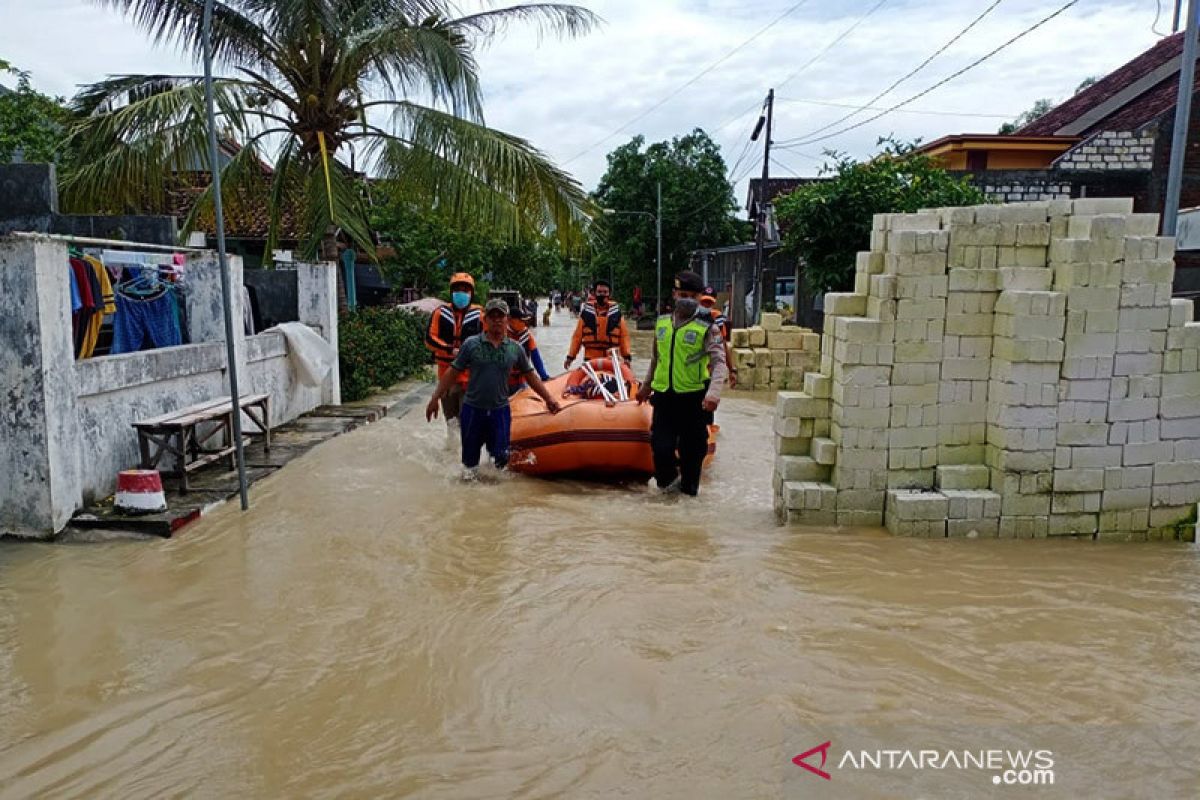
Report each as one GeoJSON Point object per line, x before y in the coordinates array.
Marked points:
{"type": "Point", "coordinates": [178, 433]}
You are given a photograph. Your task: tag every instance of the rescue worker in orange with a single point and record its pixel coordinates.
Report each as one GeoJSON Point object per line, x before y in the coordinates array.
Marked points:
{"type": "Point", "coordinates": [518, 331]}
{"type": "Point", "coordinates": [721, 322]}
{"type": "Point", "coordinates": [452, 324]}
{"type": "Point", "coordinates": [601, 327]}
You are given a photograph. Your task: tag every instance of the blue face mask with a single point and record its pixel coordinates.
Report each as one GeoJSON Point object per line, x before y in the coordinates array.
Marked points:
{"type": "Point", "coordinates": [460, 299]}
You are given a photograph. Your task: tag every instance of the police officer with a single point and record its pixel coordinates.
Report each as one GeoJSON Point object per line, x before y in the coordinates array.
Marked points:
{"type": "Point", "coordinates": [687, 345]}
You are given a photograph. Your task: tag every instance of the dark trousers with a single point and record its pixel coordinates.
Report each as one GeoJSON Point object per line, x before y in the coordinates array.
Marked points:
{"type": "Point", "coordinates": [482, 427]}
{"type": "Point", "coordinates": [679, 439]}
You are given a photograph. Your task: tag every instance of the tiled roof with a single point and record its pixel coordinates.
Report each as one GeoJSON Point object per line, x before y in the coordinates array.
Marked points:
{"type": "Point", "coordinates": [1137, 111]}
{"type": "Point", "coordinates": [247, 215]}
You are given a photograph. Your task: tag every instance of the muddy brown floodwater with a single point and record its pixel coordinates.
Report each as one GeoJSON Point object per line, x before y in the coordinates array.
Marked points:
{"type": "Point", "coordinates": [373, 628]}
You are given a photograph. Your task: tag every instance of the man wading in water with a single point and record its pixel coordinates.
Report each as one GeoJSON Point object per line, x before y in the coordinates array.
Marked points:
{"type": "Point", "coordinates": [489, 358]}
{"type": "Point", "coordinates": [687, 342]}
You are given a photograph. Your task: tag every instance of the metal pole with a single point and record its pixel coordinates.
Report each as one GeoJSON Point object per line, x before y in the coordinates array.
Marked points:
{"type": "Point", "coordinates": [1183, 115]}
{"type": "Point", "coordinates": [658, 232]}
{"type": "Point", "coordinates": [1175, 21]}
{"type": "Point", "coordinates": [762, 277]}
{"type": "Point", "coordinates": [214, 165]}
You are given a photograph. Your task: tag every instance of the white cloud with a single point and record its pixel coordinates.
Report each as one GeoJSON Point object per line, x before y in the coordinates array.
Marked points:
{"type": "Point", "coordinates": [566, 95]}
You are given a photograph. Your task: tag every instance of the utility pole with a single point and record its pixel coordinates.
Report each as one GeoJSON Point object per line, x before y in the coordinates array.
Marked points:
{"type": "Point", "coordinates": [1183, 116]}
{"type": "Point", "coordinates": [658, 235]}
{"type": "Point", "coordinates": [1175, 21]}
{"type": "Point", "coordinates": [235, 412]}
{"type": "Point", "coordinates": [764, 279]}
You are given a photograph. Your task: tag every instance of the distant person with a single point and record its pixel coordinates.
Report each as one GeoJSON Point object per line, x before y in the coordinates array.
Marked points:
{"type": "Point", "coordinates": [600, 328]}
{"type": "Point", "coordinates": [687, 344]}
{"type": "Point", "coordinates": [487, 358]}
{"type": "Point", "coordinates": [708, 300]}
{"type": "Point", "coordinates": [637, 301]}
{"type": "Point", "coordinates": [518, 331]}
{"type": "Point", "coordinates": [449, 326]}
{"type": "Point", "coordinates": [576, 303]}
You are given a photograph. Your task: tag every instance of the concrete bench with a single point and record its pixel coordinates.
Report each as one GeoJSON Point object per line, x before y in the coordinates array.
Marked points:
{"type": "Point", "coordinates": [178, 434]}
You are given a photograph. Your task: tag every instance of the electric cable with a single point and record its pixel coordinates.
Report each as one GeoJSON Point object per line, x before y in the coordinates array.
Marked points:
{"type": "Point", "coordinates": [1062, 9]}
{"type": "Point", "coordinates": [788, 12]}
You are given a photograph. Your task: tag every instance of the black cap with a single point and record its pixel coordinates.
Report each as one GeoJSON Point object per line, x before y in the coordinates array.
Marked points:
{"type": "Point", "coordinates": [688, 281]}
{"type": "Point", "coordinates": [601, 282]}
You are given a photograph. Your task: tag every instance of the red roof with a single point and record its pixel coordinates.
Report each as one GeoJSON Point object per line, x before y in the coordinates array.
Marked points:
{"type": "Point", "coordinates": [1130, 115]}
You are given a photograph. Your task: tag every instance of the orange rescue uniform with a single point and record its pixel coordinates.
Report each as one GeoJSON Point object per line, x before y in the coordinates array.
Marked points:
{"type": "Point", "coordinates": [448, 329]}
{"type": "Point", "coordinates": [599, 330]}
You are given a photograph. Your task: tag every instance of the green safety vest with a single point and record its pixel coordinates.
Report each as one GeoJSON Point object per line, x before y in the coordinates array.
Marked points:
{"type": "Point", "coordinates": [682, 363]}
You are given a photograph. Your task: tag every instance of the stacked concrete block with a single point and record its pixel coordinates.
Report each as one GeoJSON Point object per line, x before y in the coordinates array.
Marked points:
{"type": "Point", "coordinates": [804, 456]}
{"type": "Point", "coordinates": [774, 355]}
{"type": "Point", "coordinates": [1016, 371]}
{"type": "Point", "coordinates": [967, 345]}
{"type": "Point", "coordinates": [915, 277]}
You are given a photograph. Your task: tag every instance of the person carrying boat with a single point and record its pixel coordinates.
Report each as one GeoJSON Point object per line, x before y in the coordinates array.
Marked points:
{"type": "Point", "coordinates": [601, 327]}
{"type": "Point", "coordinates": [487, 358]}
{"type": "Point", "coordinates": [687, 345]}
{"type": "Point", "coordinates": [709, 300]}
{"type": "Point", "coordinates": [449, 326]}
{"type": "Point", "coordinates": [518, 331]}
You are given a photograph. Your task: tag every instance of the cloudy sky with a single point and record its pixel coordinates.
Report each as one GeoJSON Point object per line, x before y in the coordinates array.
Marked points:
{"type": "Point", "coordinates": [579, 99]}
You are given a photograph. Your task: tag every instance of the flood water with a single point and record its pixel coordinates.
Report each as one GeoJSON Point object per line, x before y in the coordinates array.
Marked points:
{"type": "Point", "coordinates": [373, 628]}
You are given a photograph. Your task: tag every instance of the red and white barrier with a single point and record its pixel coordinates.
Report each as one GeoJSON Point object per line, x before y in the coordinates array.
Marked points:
{"type": "Point", "coordinates": [140, 491]}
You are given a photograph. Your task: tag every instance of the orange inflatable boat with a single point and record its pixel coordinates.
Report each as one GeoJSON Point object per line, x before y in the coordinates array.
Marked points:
{"type": "Point", "coordinates": [601, 431]}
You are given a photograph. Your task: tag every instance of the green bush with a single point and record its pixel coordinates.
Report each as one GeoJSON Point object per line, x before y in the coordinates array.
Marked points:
{"type": "Point", "coordinates": [379, 347]}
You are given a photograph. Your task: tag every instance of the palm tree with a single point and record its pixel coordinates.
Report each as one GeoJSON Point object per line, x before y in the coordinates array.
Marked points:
{"type": "Point", "coordinates": [309, 80]}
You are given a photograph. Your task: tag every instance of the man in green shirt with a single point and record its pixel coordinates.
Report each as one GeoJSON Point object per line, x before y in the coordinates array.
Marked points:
{"type": "Point", "coordinates": [687, 343]}
{"type": "Point", "coordinates": [489, 359]}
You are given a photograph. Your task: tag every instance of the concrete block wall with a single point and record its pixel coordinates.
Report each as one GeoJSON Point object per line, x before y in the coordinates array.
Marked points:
{"type": "Point", "coordinates": [68, 430]}
{"type": "Point", "coordinates": [1111, 150]}
{"type": "Point", "coordinates": [1015, 371]}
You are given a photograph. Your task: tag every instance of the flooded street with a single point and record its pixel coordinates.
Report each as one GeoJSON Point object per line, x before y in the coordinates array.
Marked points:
{"type": "Point", "coordinates": [374, 628]}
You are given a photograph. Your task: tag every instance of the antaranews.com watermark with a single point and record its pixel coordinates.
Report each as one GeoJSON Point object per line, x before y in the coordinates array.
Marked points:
{"type": "Point", "coordinates": [969, 761]}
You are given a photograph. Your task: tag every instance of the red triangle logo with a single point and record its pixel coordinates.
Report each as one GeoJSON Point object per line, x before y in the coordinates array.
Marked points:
{"type": "Point", "coordinates": [823, 749]}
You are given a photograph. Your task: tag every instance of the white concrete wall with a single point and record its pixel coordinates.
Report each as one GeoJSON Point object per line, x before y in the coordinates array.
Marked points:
{"type": "Point", "coordinates": [66, 425]}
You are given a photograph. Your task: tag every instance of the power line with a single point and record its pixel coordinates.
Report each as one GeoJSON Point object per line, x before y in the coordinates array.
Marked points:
{"type": "Point", "coordinates": [909, 74]}
{"type": "Point", "coordinates": [940, 83]}
{"type": "Point", "coordinates": [929, 112]}
{"type": "Point", "coordinates": [788, 12]}
{"type": "Point", "coordinates": [834, 43]}
{"type": "Point", "coordinates": [805, 65]}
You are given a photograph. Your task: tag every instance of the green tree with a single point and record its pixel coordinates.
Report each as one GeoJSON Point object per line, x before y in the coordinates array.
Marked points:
{"type": "Point", "coordinates": [429, 247]}
{"type": "Point", "coordinates": [311, 80]}
{"type": "Point", "coordinates": [697, 209]}
{"type": "Point", "coordinates": [828, 222]}
{"type": "Point", "coordinates": [1038, 109]}
{"type": "Point", "coordinates": [31, 124]}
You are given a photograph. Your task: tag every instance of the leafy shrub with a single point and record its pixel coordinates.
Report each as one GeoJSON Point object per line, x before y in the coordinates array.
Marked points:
{"type": "Point", "coordinates": [379, 347]}
{"type": "Point", "coordinates": [827, 223]}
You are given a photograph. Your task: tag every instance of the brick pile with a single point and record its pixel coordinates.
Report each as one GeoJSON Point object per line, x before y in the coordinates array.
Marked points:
{"type": "Point", "coordinates": [773, 355]}
{"type": "Point", "coordinates": [1014, 371]}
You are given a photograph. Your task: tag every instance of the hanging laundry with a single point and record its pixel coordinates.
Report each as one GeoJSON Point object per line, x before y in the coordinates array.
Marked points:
{"type": "Point", "coordinates": [76, 300]}
{"type": "Point", "coordinates": [89, 302]}
{"type": "Point", "coordinates": [144, 324]}
{"type": "Point", "coordinates": [105, 306]}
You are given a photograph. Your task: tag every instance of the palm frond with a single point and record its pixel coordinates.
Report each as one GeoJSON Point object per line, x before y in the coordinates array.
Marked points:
{"type": "Point", "coordinates": [479, 174]}
{"type": "Point", "coordinates": [338, 204]}
{"type": "Point", "coordinates": [242, 181]}
{"type": "Point", "coordinates": [405, 57]}
{"type": "Point", "coordinates": [237, 38]}
{"type": "Point", "coordinates": [128, 154]}
{"type": "Point", "coordinates": [556, 18]}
